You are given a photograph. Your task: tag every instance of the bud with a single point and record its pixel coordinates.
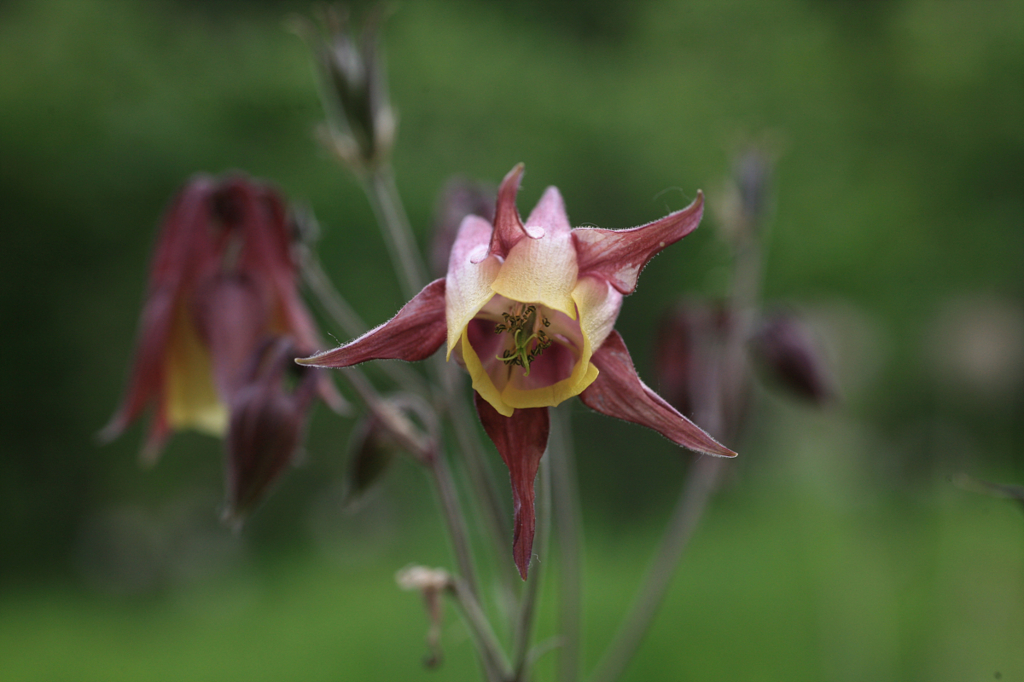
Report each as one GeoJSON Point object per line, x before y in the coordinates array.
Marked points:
{"type": "Point", "coordinates": [783, 347]}
{"type": "Point", "coordinates": [387, 429]}
{"type": "Point", "coordinates": [744, 203]}
{"type": "Point", "coordinates": [459, 198]}
{"type": "Point", "coordinates": [267, 425]}
{"type": "Point", "coordinates": [354, 85]}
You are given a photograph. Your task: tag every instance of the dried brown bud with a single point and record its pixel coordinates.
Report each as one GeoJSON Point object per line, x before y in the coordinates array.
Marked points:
{"type": "Point", "coordinates": [431, 583]}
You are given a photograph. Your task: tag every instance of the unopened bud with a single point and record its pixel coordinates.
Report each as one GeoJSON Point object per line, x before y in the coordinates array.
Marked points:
{"type": "Point", "coordinates": [783, 347]}
{"type": "Point", "coordinates": [355, 85]}
{"type": "Point", "coordinates": [743, 205]}
{"type": "Point", "coordinates": [266, 427]}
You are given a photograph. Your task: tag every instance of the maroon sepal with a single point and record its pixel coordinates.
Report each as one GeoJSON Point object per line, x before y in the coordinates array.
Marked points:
{"type": "Point", "coordinates": [521, 440]}
{"type": "Point", "coordinates": [183, 248]}
{"type": "Point", "coordinates": [415, 333]}
{"type": "Point", "coordinates": [618, 392]}
{"type": "Point", "coordinates": [620, 255]}
{"type": "Point", "coordinates": [508, 226]}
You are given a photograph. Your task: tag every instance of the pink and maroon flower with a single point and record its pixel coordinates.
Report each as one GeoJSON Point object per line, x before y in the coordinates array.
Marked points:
{"type": "Point", "coordinates": [221, 283]}
{"type": "Point", "coordinates": [529, 310]}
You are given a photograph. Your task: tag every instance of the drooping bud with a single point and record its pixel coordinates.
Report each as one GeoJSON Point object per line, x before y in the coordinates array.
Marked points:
{"type": "Point", "coordinates": [386, 430]}
{"type": "Point", "coordinates": [785, 350]}
{"type": "Point", "coordinates": [744, 204]}
{"type": "Point", "coordinates": [459, 198]}
{"type": "Point", "coordinates": [431, 583]}
{"type": "Point", "coordinates": [267, 424]}
{"type": "Point", "coordinates": [354, 85]}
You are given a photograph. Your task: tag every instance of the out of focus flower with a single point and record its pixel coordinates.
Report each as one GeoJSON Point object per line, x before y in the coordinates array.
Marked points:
{"type": "Point", "coordinates": [745, 202]}
{"type": "Point", "coordinates": [529, 309]}
{"type": "Point", "coordinates": [784, 349]}
{"type": "Point", "coordinates": [221, 282]}
{"type": "Point", "coordinates": [354, 84]}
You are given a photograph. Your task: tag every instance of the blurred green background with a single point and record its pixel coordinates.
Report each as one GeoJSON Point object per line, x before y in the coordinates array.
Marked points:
{"type": "Point", "coordinates": [839, 550]}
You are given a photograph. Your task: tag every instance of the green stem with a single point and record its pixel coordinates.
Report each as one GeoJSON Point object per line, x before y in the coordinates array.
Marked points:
{"type": "Point", "coordinates": [383, 195]}
{"type": "Point", "coordinates": [692, 502]}
{"type": "Point", "coordinates": [454, 519]}
{"type": "Point", "coordinates": [490, 648]}
{"type": "Point", "coordinates": [566, 510]}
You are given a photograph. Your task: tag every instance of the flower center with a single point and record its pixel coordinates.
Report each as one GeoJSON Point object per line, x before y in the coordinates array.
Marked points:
{"type": "Point", "coordinates": [524, 326]}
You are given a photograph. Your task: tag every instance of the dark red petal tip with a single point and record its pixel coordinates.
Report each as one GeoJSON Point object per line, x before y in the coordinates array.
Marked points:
{"type": "Point", "coordinates": [415, 333]}
{"type": "Point", "coordinates": [521, 440]}
{"type": "Point", "coordinates": [618, 392]}
{"type": "Point", "coordinates": [508, 226]}
{"type": "Point", "coordinates": [620, 255]}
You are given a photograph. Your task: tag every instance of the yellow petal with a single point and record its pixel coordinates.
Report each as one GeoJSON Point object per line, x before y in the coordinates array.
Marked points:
{"type": "Point", "coordinates": [482, 383]}
{"type": "Point", "coordinates": [540, 271]}
{"type": "Point", "coordinates": [192, 398]}
{"type": "Point", "coordinates": [583, 374]}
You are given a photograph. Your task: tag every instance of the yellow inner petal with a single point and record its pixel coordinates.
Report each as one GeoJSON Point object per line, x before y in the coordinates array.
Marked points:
{"type": "Point", "coordinates": [192, 398]}
{"type": "Point", "coordinates": [507, 399]}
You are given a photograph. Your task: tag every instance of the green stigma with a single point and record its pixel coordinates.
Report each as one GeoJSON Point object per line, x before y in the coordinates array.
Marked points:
{"type": "Point", "coordinates": [528, 339]}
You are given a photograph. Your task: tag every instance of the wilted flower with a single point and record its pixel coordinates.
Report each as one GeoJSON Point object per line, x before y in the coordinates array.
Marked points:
{"type": "Point", "coordinates": [529, 309]}
{"type": "Point", "coordinates": [431, 583]}
{"type": "Point", "coordinates": [222, 281]}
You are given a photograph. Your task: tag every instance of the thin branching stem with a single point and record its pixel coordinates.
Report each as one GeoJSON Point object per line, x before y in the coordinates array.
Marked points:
{"type": "Point", "coordinates": [444, 484]}
{"type": "Point", "coordinates": [379, 185]}
{"type": "Point", "coordinates": [495, 661]}
{"type": "Point", "coordinates": [694, 499]}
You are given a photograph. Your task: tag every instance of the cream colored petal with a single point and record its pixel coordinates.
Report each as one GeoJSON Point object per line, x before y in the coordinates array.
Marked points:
{"type": "Point", "coordinates": [540, 271]}
{"type": "Point", "coordinates": [482, 383]}
{"type": "Point", "coordinates": [599, 304]}
{"type": "Point", "coordinates": [470, 275]}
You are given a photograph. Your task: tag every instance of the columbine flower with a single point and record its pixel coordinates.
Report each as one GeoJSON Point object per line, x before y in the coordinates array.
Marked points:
{"type": "Point", "coordinates": [529, 309]}
{"type": "Point", "coordinates": [221, 281]}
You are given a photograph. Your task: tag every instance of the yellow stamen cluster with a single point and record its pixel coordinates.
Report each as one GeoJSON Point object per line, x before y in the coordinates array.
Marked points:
{"type": "Point", "coordinates": [518, 323]}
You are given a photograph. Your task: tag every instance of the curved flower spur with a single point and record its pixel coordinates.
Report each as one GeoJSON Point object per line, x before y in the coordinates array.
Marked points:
{"type": "Point", "coordinates": [529, 310]}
